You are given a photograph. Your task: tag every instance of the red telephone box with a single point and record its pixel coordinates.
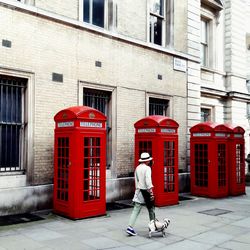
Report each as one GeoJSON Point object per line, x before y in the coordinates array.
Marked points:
{"type": "Point", "coordinates": [80, 162]}
{"type": "Point", "coordinates": [158, 136]}
{"type": "Point", "coordinates": [237, 185]}
{"type": "Point", "coordinates": [209, 159]}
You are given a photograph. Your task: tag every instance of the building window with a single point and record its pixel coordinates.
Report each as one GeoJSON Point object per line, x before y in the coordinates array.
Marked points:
{"type": "Point", "coordinates": [158, 106]}
{"type": "Point", "coordinates": [157, 19]}
{"type": "Point", "coordinates": [248, 111]}
{"type": "Point", "coordinates": [12, 99]}
{"type": "Point", "coordinates": [93, 12]}
{"type": "Point", "coordinates": [205, 114]}
{"type": "Point", "coordinates": [101, 100]}
{"type": "Point", "coordinates": [161, 22]}
{"type": "Point", "coordinates": [204, 42]}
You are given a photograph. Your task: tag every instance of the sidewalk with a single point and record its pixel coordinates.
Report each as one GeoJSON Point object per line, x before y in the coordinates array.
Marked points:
{"type": "Point", "coordinates": [225, 226]}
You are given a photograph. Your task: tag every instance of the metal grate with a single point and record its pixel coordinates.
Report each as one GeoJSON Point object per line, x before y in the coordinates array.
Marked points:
{"type": "Point", "coordinates": [19, 218]}
{"type": "Point", "coordinates": [97, 99]}
{"type": "Point", "coordinates": [11, 123]}
{"type": "Point", "coordinates": [215, 211]}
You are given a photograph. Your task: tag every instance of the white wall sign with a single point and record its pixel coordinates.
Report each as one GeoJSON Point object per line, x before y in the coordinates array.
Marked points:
{"type": "Point", "coordinates": [180, 64]}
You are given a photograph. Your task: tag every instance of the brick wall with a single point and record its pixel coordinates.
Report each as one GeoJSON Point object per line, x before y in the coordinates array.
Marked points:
{"type": "Point", "coordinates": [42, 46]}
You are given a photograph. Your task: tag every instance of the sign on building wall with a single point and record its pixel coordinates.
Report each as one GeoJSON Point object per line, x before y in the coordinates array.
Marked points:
{"type": "Point", "coordinates": [180, 64]}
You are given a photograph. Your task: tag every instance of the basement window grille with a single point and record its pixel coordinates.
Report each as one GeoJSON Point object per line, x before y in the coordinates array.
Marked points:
{"type": "Point", "coordinates": [12, 92]}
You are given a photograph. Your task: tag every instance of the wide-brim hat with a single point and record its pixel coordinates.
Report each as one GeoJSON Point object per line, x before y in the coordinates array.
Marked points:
{"type": "Point", "coordinates": [145, 157]}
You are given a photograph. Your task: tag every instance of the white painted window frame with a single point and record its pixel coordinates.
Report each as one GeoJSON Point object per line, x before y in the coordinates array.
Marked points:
{"type": "Point", "coordinates": [210, 18]}
{"type": "Point", "coordinates": [167, 21]}
{"type": "Point", "coordinates": [108, 24]}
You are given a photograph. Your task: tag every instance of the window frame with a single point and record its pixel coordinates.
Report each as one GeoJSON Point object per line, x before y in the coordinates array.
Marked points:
{"type": "Point", "coordinates": [167, 23]}
{"type": "Point", "coordinates": [161, 17]}
{"type": "Point", "coordinates": [211, 111]}
{"type": "Point", "coordinates": [110, 10]}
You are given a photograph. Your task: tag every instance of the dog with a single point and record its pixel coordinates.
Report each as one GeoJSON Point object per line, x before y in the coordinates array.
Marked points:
{"type": "Point", "coordinates": [154, 226]}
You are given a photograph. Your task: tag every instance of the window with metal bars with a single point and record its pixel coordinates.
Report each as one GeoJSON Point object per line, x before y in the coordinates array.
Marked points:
{"type": "Point", "coordinates": [12, 94]}
{"type": "Point", "coordinates": [101, 100]}
{"type": "Point", "coordinates": [97, 99]}
{"type": "Point", "coordinates": [158, 106]}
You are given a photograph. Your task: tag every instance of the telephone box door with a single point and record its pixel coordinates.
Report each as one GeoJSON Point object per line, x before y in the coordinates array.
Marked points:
{"type": "Point", "coordinates": [200, 167]}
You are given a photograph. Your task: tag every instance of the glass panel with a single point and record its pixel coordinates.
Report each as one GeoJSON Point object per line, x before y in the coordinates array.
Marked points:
{"type": "Point", "coordinates": [145, 146]}
{"type": "Point", "coordinates": [98, 13]}
{"type": "Point", "coordinates": [91, 168]}
{"type": "Point", "coordinates": [156, 30]}
{"type": "Point", "coordinates": [205, 115]}
{"type": "Point", "coordinates": [156, 7]}
{"type": "Point", "coordinates": [204, 30]}
{"type": "Point", "coordinates": [86, 10]}
{"type": "Point", "coordinates": [169, 166]}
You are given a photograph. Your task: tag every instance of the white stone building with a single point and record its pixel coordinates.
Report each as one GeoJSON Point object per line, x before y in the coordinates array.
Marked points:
{"type": "Point", "coordinates": [128, 59]}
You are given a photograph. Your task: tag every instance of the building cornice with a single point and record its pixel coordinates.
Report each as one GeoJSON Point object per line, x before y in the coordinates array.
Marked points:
{"type": "Point", "coordinates": [234, 95]}
{"type": "Point", "coordinates": [211, 92]}
{"type": "Point", "coordinates": [214, 4]}
{"type": "Point", "coordinates": [15, 5]}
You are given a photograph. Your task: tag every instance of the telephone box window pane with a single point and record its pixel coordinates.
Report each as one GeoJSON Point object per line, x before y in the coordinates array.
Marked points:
{"type": "Point", "coordinates": [145, 146]}
{"type": "Point", "coordinates": [62, 168]}
{"type": "Point", "coordinates": [169, 166]}
{"type": "Point", "coordinates": [221, 164]}
{"type": "Point", "coordinates": [91, 168]}
{"type": "Point", "coordinates": [240, 172]}
{"type": "Point", "coordinates": [201, 165]}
